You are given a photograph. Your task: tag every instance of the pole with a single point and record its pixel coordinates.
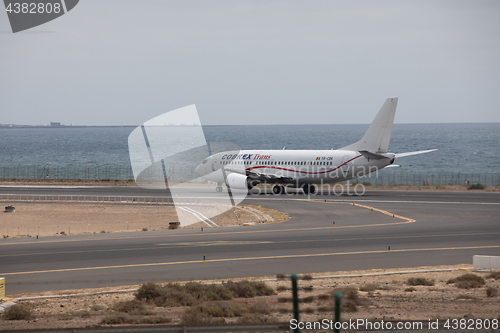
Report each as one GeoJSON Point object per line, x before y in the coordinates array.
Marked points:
{"type": "Point", "coordinates": [338, 296]}
{"type": "Point", "coordinates": [295, 300]}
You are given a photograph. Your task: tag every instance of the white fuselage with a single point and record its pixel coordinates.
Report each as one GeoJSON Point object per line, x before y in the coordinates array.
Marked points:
{"type": "Point", "coordinates": [300, 166]}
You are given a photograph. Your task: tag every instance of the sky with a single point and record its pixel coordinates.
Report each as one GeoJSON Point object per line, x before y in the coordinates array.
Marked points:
{"type": "Point", "coordinates": [123, 62]}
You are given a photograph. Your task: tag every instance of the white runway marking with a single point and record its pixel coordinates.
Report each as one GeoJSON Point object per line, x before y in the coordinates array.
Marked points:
{"type": "Point", "coordinates": [200, 216]}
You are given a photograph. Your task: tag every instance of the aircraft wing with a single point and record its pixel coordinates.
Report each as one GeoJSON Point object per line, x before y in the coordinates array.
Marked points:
{"type": "Point", "coordinates": [413, 153]}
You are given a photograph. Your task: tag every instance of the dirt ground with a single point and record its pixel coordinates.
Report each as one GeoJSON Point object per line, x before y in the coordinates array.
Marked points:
{"type": "Point", "coordinates": [60, 218]}
{"type": "Point", "coordinates": [390, 300]}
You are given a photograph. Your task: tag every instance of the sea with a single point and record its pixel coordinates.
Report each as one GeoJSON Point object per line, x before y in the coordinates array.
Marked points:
{"type": "Point", "coordinates": [464, 148]}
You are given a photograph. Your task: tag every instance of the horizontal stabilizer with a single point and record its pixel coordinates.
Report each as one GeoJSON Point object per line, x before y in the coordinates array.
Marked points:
{"type": "Point", "coordinates": [413, 153]}
{"type": "Point", "coordinates": [373, 156]}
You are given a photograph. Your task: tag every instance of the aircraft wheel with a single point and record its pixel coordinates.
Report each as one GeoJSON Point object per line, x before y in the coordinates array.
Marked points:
{"type": "Point", "coordinates": [278, 189]}
{"type": "Point", "coordinates": [309, 189]}
{"type": "Point", "coordinates": [305, 188]}
{"type": "Point", "coordinates": [218, 189]}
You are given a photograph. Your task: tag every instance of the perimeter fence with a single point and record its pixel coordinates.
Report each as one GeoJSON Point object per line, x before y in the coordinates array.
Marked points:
{"type": "Point", "coordinates": [385, 177]}
{"type": "Point", "coordinates": [112, 173]}
{"type": "Point", "coordinates": [92, 172]}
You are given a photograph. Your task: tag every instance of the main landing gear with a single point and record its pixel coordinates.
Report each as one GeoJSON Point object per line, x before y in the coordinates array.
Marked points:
{"type": "Point", "coordinates": [278, 189]}
{"type": "Point", "coordinates": [309, 189]}
{"type": "Point", "coordinates": [218, 189]}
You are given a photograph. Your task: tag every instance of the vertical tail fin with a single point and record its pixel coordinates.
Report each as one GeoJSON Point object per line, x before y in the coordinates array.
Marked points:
{"type": "Point", "coordinates": [378, 135]}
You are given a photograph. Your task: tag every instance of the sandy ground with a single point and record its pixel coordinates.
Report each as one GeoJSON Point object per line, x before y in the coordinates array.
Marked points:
{"type": "Point", "coordinates": [389, 301]}
{"type": "Point", "coordinates": [50, 219]}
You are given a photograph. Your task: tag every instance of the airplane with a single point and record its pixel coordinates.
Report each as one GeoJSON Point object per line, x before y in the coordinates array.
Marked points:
{"type": "Point", "coordinates": [303, 168]}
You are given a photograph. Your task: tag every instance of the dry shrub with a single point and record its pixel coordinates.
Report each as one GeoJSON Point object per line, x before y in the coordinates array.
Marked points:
{"type": "Point", "coordinates": [96, 307]}
{"type": "Point", "coordinates": [464, 296]}
{"type": "Point", "coordinates": [491, 292]}
{"type": "Point", "coordinates": [207, 292]}
{"type": "Point", "coordinates": [17, 312]}
{"type": "Point", "coordinates": [214, 312]}
{"type": "Point", "coordinates": [308, 289]}
{"type": "Point", "coordinates": [419, 281]}
{"type": "Point", "coordinates": [477, 186]}
{"type": "Point", "coordinates": [493, 275]}
{"type": "Point", "coordinates": [152, 320]}
{"type": "Point", "coordinates": [387, 287]}
{"type": "Point", "coordinates": [132, 307]}
{"type": "Point", "coordinates": [261, 307]}
{"type": "Point", "coordinates": [115, 319]}
{"type": "Point", "coordinates": [65, 316]}
{"type": "Point", "coordinates": [174, 294]}
{"type": "Point", "coordinates": [350, 306]}
{"type": "Point", "coordinates": [281, 288]}
{"type": "Point", "coordinates": [252, 318]}
{"type": "Point", "coordinates": [368, 287]}
{"type": "Point", "coordinates": [84, 314]}
{"type": "Point", "coordinates": [248, 289]}
{"type": "Point", "coordinates": [467, 281]}
{"type": "Point", "coordinates": [194, 293]}
{"type": "Point", "coordinates": [148, 291]}
{"type": "Point", "coordinates": [350, 298]}
{"type": "Point", "coordinates": [281, 276]}
{"type": "Point", "coordinates": [410, 289]}
{"type": "Point", "coordinates": [307, 277]}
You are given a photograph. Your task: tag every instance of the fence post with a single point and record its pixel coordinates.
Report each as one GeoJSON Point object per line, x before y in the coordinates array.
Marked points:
{"type": "Point", "coordinates": [338, 297]}
{"type": "Point", "coordinates": [295, 300]}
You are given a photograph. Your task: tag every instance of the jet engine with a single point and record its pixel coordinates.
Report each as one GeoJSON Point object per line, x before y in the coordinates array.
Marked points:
{"type": "Point", "coordinates": [238, 181]}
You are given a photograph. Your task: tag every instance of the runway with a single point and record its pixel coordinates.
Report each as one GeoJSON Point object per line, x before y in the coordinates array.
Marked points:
{"type": "Point", "coordinates": [432, 228]}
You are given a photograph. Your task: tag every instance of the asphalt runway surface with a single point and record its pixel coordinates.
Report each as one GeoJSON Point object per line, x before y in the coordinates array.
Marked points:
{"type": "Point", "coordinates": [430, 228]}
